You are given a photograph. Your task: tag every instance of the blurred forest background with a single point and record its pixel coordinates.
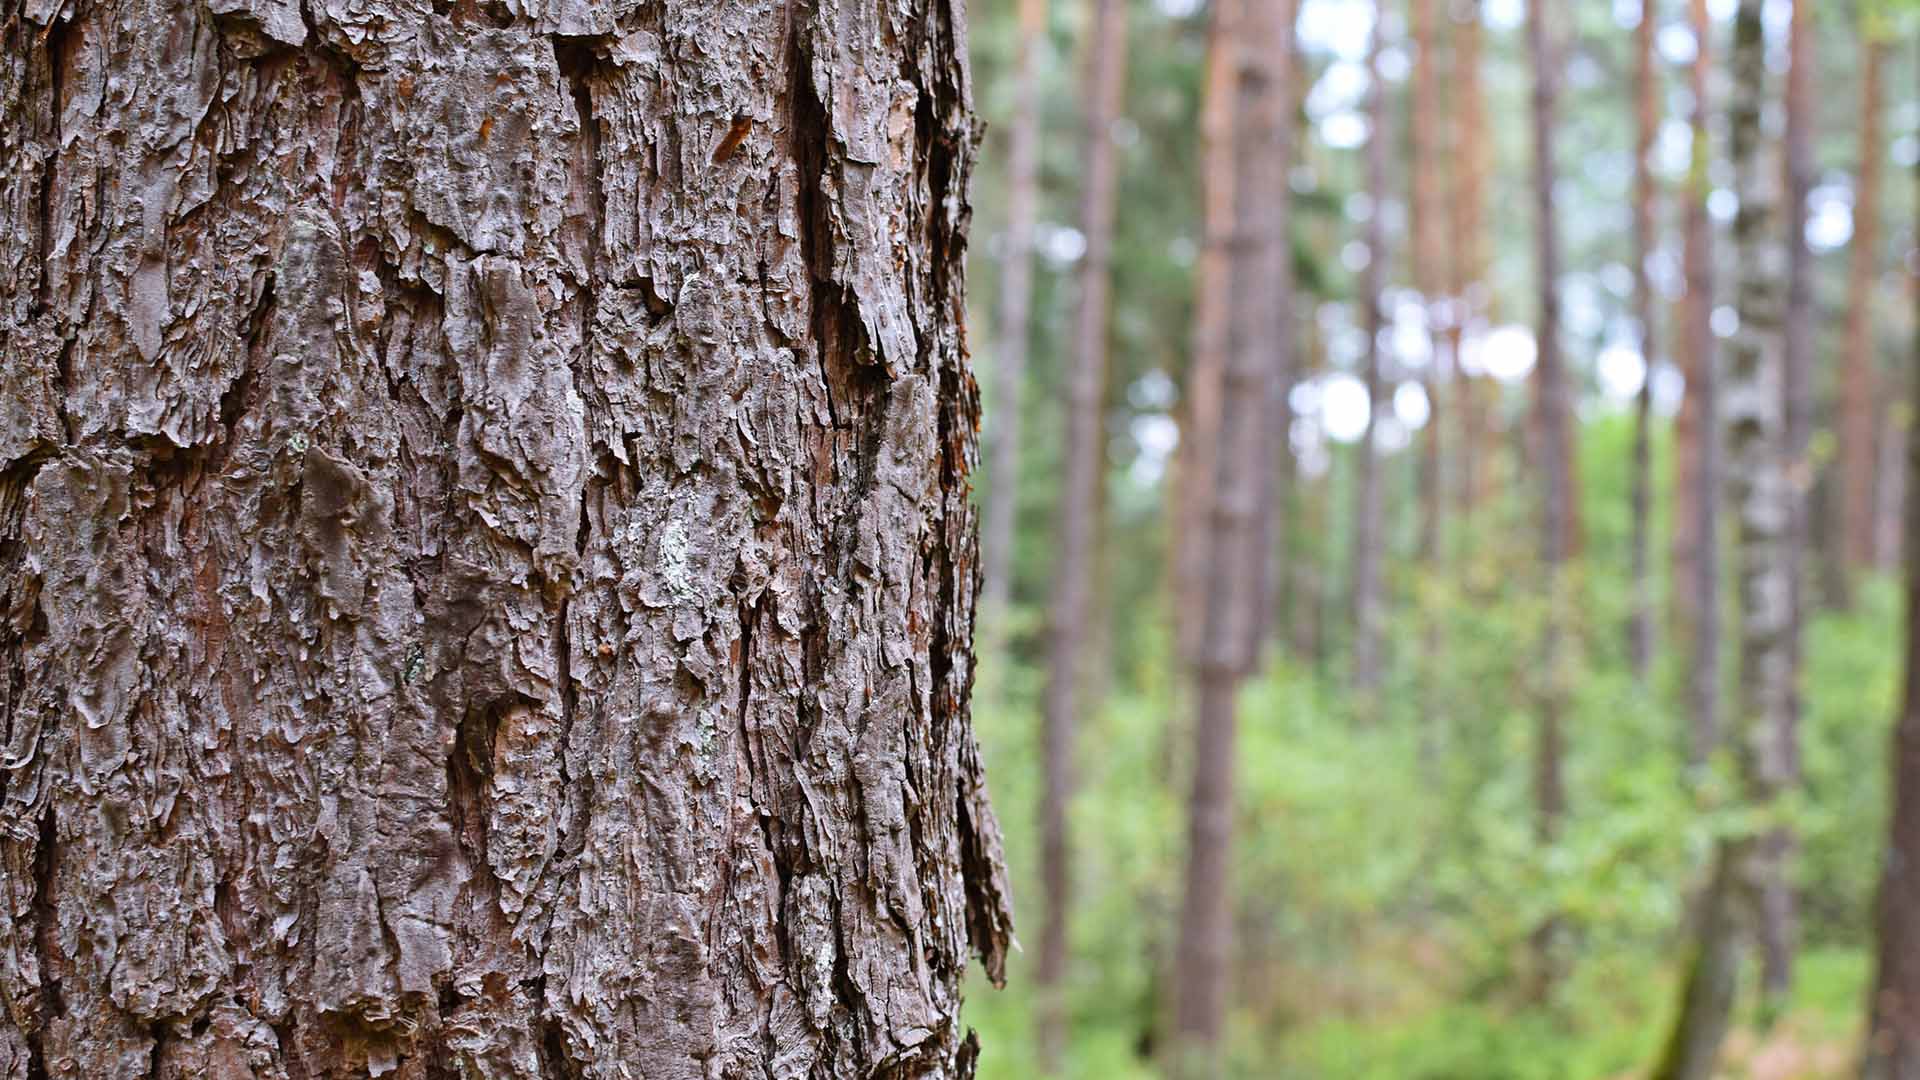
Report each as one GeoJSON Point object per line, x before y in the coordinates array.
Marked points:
{"type": "Point", "coordinates": [1391, 667]}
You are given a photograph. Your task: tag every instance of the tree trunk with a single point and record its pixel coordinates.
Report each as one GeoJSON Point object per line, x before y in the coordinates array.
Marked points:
{"type": "Point", "coordinates": [1703, 390]}
{"type": "Point", "coordinates": [1645, 191]}
{"type": "Point", "coordinates": [1073, 572]}
{"type": "Point", "coordinates": [1893, 1013]}
{"type": "Point", "coordinates": [1236, 529]}
{"type": "Point", "coordinates": [1468, 265]}
{"type": "Point", "coordinates": [1859, 372]}
{"type": "Point", "coordinates": [1777, 905]}
{"type": "Point", "coordinates": [1368, 614]}
{"type": "Point", "coordinates": [485, 540]}
{"type": "Point", "coordinates": [1757, 489]}
{"type": "Point", "coordinates": [1427, 227]}
{"type": "Point", "coordinates": [1014, 327]}
{"type": "Point", "coordinates": [1552, 407]}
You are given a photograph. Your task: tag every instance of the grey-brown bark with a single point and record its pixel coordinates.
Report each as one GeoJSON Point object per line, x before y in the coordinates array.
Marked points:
{"type": "Point", "coordinates": [1254, 40]}
{"type": "Point", "coordinates": [1552, 408]}
{"type": "Point", "coordinates": [1859, 374]}
{"type": "Point", "coordinates": [1777, 902]}
{"type": "Point", "coordinates": [1012, 319]}
{"type": "Point", "coordinates": [1757, 490]}
{"type": "Point", "coordinates": [1701, 565]}
{"type": "Point", "coordinates": [1892, 1050]}
{"type": "Point", "coordinates": [484, 541]}
{"type": "Point", "coordinates": [1073, 569]}
{"type": "Point", "coordinates": [1369, 614]}
{"type": "Point", "coordinates": [1645, 190]}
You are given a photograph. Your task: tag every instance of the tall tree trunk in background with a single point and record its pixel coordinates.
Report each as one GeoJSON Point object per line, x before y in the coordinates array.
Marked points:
{"type": "Point", "coordinates": [489, 564]}
{"type": "Point", "coordinates": [1200, 420]}
{"type": "Point", "coordinates": [1859, 369]}
{"type": "Point", "coordinates": [1013, 329]}
{"type": "Point", "coordinates": [1258, 360]}
{"type": "Point", "coordinates": [1553, 408]}
{"type": "Point", "coordinates": [1702, 584]}
{"type": "Point", "coordinates": [1467, 167]}
{"type": "Point", "coordinates": [1893, 1012]}
{"type": "Point", "coordinates": [1268, 312]}
{"type": "Point", "coordinates": [1429, 255]}
{"type": "Point", "coordinates": [1777, 907]}
{"type": "Point", "coordinates": [1757, 488]}
{"type": "Point", "coordinates": [1645, 191]}
{"type": "Point", "coordinates": [1104, 69]}
{"type": "Point", "coordinates": [1368, 604]}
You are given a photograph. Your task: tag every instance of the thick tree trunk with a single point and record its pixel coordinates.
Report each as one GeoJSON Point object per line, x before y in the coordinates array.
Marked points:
{"type": "Point", "coordinates": [1553, 408]}
{"type": "Point", "coordinates": [1013, 329]}
{"type": "Point", "coordinates": [1645, 190]}
{"type": "Point", "coordinates": [1369, 615]}
{"type": "Point", "coordinates": [1859, 373]}
{"type": "Point", "coordinates": [1236, 529]}
{"type": "Point", "coordinates": [1080, 496]}
{"type": "Point", "coordinates": [1702, 565]}
{"type": "Point", "coordinates": [1893, 1013]}
{"type": "Point", "coordinates": [485, 540]}
{"type": "Point", "coordinates": [1777, 904]}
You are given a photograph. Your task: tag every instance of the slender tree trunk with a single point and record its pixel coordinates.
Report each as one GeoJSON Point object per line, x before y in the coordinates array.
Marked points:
{"type": "Point", "coordinates": [1552, 407]}
{"type": "Point", "coordinates": [1235, 531]}
{"type": "Point", "coordinates": [1428, 228]}
{"type": "Point", "coordinates": [1757, 489]}
{"type": "Point", "coordinates": [1645, 192]}
{"type": "Point", "coordinates": [1468, 170]}
{"type": "Point", "coordinates": [1369, 615]}
{"type": "Point", "coordinates": [1703, 389]}
{"type": "Point", "coordinates": [1199, 433]}
{"type": "Point", "coordinates": [1893, 1012]}
{"type": "Point", "coordinates": [1013, 328]}
{"type": "Point", "coordinates": [1890, 481]}
{"type": "Point", "coordinates": [1859, 372]}
{"type": "Point", "coordinates": [1777, 906]}
{"type": "Point", "coordinates": [1085, 457]}
{"type": "Point", "coordinates": [486, 542]}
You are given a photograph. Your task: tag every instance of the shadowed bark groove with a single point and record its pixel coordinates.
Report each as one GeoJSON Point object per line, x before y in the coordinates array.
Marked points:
{"type": "Point", "coordinates": [486, 573]}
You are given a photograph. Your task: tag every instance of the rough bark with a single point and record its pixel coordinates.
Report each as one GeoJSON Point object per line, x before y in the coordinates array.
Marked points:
{"type": "Point", "coordinates": [1073, 571]}
{"type": "Point", "coordinates": [1647, 115]}
{"type": "Point", "coordinates": [1777, 902]}
{"type": "Point", "coordinates": [1235, 530]}
{"type": "Point", "coordinates": [1859, 374]}
{"type": "Point", "coordinates": [1013, 325]}
{"type": "Point", "coordinates": [1369, 614]}
{"type": "Point", "coordinates": [484, 540]}
{"type": "Point", "coordinates": [1892, 1050]}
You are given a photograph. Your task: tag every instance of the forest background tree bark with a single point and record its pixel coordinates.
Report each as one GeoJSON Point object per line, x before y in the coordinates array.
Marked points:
{"type": "Point", "coordinates": [485, 541]}
{"type": "Point", "coordinates": [1013, 316]}
{"type": "Point", "coordinates": [1104, 67]}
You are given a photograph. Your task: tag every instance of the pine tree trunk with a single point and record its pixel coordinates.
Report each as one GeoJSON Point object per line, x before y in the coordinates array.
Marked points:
{"type": "Point", "coordinates": [1552, 407]}
{"type": "Point", "coordinates": [1645, 191]}
{"type": "Point", "coordinates": [1893, 1012]}
{"type": "Point", "coordinates": [1013, 329]}
{"type": "Point", "coordinates": [1859, 373]}
{"type": "Point", "coordinates": [1369, 616]}
{"type": "Point", "coordinates": [1777, 903]}
{"type": "Point", "coordinates": [1073, 571]}
{"type": "Point", "coordinates": [485, 540]}
{"type": "Point", "coordinates": [1256, 39]}
{"type": "Point", "coordinates": [1467, 170]}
